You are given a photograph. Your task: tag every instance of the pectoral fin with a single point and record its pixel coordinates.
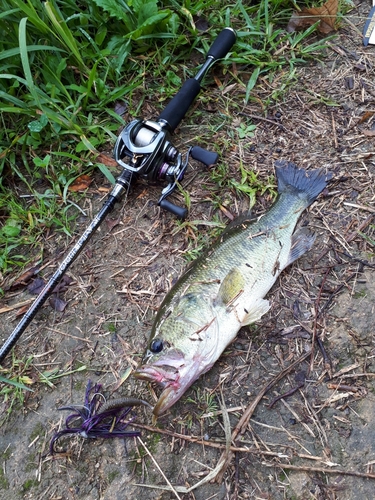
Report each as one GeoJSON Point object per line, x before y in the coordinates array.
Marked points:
{"type": "Point", "coordinates": [231, 286]}
{"type": "Point", "coordinates": [256, 311]}
{"type": "Point", "coordinates": [302, 240]}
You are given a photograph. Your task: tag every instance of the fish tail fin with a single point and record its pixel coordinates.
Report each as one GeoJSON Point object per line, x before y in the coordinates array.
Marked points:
{"type": "Point", "coordinates": [308, 184]}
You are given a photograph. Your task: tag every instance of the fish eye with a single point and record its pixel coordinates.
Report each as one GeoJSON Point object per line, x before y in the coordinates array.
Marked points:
{"type": "Point", "coordinates": [156, 346]}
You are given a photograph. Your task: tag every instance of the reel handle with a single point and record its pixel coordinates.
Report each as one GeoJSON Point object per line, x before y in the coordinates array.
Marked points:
{"type": "Point", "coordinates": [177, 108]}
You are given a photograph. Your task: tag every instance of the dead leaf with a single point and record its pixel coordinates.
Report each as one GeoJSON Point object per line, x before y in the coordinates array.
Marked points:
{"type": "Point", "coordinates": [81, 183]}
{"type": "Point", "coordinates": [22, 311]}
{"type": "Point", "coordinates": [36, 286]}
{"type": "Point", "coordinates": [121, 107]}
{"type": "Point", "coordinates": [57, 304]}
{"type": "Point", "coordinates": [62, 286]}
{"type": "Point", "coordinates": [201, 24]}
{"type": "Point", "coordinates": [111, 223]}
{"type": "Point", "coordinates": [368, 133]}
{"type": "Point", "coordinates": [107, 160]}
{"type": "Point", "coordinates": [25, 277]}
{"type": "Point", "coordinates": [226, 212]}
{"type": "Point", "coordinates": [326, 15]}
{"type": "Point", "coordinates": [366, 116]}
{"type": "Point", "coordinates": [218, 82]}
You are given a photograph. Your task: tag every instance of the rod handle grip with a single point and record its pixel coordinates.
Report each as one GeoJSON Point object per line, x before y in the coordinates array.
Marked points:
{"type": "Point", "coordinates": [223, 43]}
{"type": "Point", "coordinates": [178, 106]}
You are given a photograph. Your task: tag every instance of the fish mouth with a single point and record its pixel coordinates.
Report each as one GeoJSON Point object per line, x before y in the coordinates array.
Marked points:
{"type": "Point", "coordinates": [174, 382]}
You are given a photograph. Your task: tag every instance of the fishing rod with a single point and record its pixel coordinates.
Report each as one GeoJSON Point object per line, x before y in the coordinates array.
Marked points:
{"type": "Point", "coordinates": [144, 150]}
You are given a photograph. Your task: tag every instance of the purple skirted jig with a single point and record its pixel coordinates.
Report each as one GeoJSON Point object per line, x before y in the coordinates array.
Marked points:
{"type": "Point", "coordinates": [98, 419]}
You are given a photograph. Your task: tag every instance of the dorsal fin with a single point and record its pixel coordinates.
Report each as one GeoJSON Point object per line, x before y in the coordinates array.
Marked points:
{"type": "Point", "coordinates": [240, 222]}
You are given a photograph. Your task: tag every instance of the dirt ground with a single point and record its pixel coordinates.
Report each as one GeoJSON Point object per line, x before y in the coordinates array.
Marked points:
{"type": "Point", "coordinates": [316, 443]}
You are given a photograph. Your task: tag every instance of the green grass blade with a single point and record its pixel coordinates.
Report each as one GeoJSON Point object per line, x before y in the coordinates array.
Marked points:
{"type": "Point", "coordinates": [251, 83]}
{"type": "Point", "coordinates": [25, 60]}
{"type": "Point", "coordinates": [28, 9]}
{"type": "Point", "coordinates": [63, 31]}
{"type": "Point", "coordinates": [30, 48]}
{"type": "Point", "coordinates": [14, 383]}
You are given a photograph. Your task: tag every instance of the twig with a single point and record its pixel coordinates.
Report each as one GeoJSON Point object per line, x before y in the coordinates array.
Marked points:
{"type": "Point", "coordinates": [16, 306]}
{"type": "Point", "coordinates": [322, 469]}
{"type": "Point", "coordinates": [261, 118]}
{"type": "Point", "coordinates": [361, 207]}
{"type": "Point", "coordinates": [361, 261]}
{"type": "Point", "coordinates": [340, 287]}
{"type": "Point", "coordinates": [211, 475]}
{"type": "Point", "coordinates": [210, 444]}
{"type": "Point", "coordinates": [334, 131]}
{"type": "Point", "coordinates": [300, 384]}
{"type": "Point", "coordinates": [159, 469]}
{"type": "Point", "coordinates": [55, 330]}
{"type": "Point", "coordinates": [315, 337]}
{"type": "Point", "coordinates": [360, 228]}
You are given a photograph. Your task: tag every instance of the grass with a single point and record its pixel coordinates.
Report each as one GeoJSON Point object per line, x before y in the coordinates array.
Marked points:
{"type": "Point", "coordinates": [65, 68]}
{"type": "Point", "coordinates": [14, 384]}
{"type": "Point", "coordinates": [20, 375]}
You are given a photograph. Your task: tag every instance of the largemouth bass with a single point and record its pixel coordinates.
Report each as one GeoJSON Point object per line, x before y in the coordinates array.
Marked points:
{"type": "Point", "coordinates": [225, 288]}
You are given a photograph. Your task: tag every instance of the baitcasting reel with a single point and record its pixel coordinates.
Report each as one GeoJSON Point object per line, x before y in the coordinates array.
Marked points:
{"type": "Point", "coordinates": [144, 148]}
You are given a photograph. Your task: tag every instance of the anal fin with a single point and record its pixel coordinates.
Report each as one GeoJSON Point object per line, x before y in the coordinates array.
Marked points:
{"type": "Point", "coordinates": [256, 311]}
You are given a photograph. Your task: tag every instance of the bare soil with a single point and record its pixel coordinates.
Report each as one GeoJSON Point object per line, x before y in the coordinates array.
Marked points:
{"type": "Point", "coordinates": [317, 442]}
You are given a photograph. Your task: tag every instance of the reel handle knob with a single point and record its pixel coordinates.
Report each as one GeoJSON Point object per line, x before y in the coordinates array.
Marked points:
{"type": "Point", "coordinates": [206, 157]}
{"type": "Point", "coordinates": [179, 212]}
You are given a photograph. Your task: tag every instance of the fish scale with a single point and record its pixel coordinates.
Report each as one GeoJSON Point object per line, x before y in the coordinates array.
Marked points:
{"type": "Point", "coordinates": [225, 288]}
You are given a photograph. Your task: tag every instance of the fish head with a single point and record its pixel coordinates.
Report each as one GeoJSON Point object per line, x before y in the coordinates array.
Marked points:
{"type": "Point", "coordinates": [182, 347]}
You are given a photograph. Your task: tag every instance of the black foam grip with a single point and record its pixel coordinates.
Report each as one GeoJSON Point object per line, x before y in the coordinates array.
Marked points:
{"type": "Point", "coordinates": [176, 108]}
{"type": "Point", "coordinates": [223, 43]}
{"type": "Point", "coordinates": [204, 156]}
{"type": "Point", "coordinates": [179, 212]}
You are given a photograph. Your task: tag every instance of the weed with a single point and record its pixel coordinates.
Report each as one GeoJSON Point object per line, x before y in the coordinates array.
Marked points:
{"type": "Point", "coordinates": [251, 185]}
{"type": "Point", "coordinates": [52, 375]}
{"type": "Point", "coordinates": [245, 131]}
{"type": "Point", "coordinates": [198, 239]}
{"type": "Point", "coordinates": [360, 294]}
{"type": "Point", "coordinates": [369, 240]}
{"type": "Point", "coordinates": [4, 483]}
{"type": "Point", "coordinates": [111, 328]}
{"type": "Point", "coordinates": [204, 401]}
{"type": "Point", "coordinates": [112, 475]}
{"type": "Point", "coordinates": [28, 484]}
{"type": "Point", "coordinates": [6, 453]}
{"type": "Point", "coordinates": [12, 389]}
